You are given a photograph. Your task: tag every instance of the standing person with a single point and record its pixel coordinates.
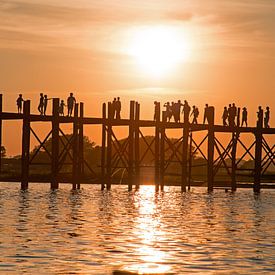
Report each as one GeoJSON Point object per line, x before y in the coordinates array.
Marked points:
{"type": "Point", "coordinates": [113, 108]}
{"type": "Point", "coordinates": [244, 117]}
{"type": "Point", "coordinates": [61, 107]}
{"type": "Point", "coordinates": [230, 116]}
{"type": "Point", "coordinates": [19, 102]}
{"type": "Point", "coordinates": [45, 104]}
{"type": "Point", "coordinates": [186, 111]}
{"type": "Point", "coordinates": [41, 104]}
{"type": "Point", "coordinates": [225, 116]}
{"type": "Point", "coordinates": [234, 113]}
{"type": "Point", "coordinates": [167, 111]}
{"type": "Point", "coordinates": [206, 112]}
{"type": "Point", "coordinates": [266, 117]}
{"type": "Point", "coordinates": [118, 108]}
{"type": "Point", "coordinates": [70, 103]}
{"type": "Point", "coordinates": [260, 115]}
{"type": "Point", "coordinates": [155, 110]}
{"type": "Point", "coordinates": [177, 107]}
{"type": "Point", "coordinates": [195, 113]}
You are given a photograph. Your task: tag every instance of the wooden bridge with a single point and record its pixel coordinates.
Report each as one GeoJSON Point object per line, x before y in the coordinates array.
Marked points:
{"type": "Point", "coordinates": [126, 155]}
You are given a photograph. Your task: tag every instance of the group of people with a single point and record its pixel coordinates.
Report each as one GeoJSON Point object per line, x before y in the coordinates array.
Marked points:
{"type": "Point", "coordinates": [174, 109]}
{"type": "Point", "coordinates": [43, 103]}
{"type": "Point", "coordinates": [230, 116]}
{"type": "Point", "coordinates": [116, 108]}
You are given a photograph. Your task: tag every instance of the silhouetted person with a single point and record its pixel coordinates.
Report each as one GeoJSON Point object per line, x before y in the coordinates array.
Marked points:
{"type": "Point", "coordinates": [168, 111]}
{"type": "Point", "coordinates": [155, 110]}
{"type": "Point", "coordinates": [195, 113]}
{"type": "Point", "coordinates": [186, 111]}
{"type": "Point", "coordinates": [41, 104]}
{"type": "Point", "coordinates": [19, 102]}
{"type": "Point", "coordinates": [231, 116]}
{"type": "Point", "coordinates": [234, 113]}
{"type": "Point", "coordinates": [113, 108]}
{"type": "Point", "coordinates": [244, 117]}
{"type": "Point", "coordinates": [260, 115]}
{"type": "Point", "coordinates": [176, 110]}
{"type": "Point", "coordinates": [45, 104]}
{"type": "Point", "coordinates": [206, 114]}
{"type": "Point", "coordinates": [224, 116]}
{"type": "Point", "coordinates": [70, 104]}
{"type": "Point", "coordinates": [118, 108]}
{"type": "Point", "coordinates": [62, 107]}
{"type": "Point", "coordinates": [266, 118]}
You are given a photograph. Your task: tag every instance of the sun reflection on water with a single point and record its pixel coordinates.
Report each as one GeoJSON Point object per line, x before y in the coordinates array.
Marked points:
{"type": "Point", "coordinates": [148, 229]}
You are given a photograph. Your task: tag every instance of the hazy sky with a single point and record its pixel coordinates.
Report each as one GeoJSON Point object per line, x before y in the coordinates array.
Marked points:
{"type": "Point", "coordinates": [83, 46]}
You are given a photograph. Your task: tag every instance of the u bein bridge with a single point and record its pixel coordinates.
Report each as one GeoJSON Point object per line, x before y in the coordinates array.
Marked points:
{"type": "Point", "coordinates": [125, 155]}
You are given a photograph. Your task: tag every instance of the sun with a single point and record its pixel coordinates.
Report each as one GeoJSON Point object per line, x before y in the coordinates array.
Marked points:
{"type": "Point", "coordinates": [159, 50]}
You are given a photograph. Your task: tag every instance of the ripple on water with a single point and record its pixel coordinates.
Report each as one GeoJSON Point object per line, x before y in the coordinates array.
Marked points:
{"type": "Point", "coordinates": [95, 232]}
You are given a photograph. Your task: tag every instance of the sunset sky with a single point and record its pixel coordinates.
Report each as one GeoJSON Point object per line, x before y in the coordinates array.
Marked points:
{"type": "Point", "coordinates": [207, 51]}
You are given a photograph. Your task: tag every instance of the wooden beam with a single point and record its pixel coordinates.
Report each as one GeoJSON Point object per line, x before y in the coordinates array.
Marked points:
{"type": "Point", "coordinates": [25, 159]}
{"type": "Point", "coordinates": [184, 161]}
{"type": "Point", "coordinates": [162, 152]}
{"type": "Point", "coordinates": [1, 110]}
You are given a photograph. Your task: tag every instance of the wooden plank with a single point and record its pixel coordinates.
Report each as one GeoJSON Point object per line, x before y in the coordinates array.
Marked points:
{"type": "Point", "coordinates": [162, 152]}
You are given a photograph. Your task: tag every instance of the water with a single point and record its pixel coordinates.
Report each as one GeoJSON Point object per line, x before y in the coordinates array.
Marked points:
{"type": "Point", "coordinates": [94, 232]}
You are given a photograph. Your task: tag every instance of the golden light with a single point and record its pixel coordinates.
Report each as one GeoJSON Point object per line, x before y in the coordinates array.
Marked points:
{"type": "Point", "coordinates": [158, 50]}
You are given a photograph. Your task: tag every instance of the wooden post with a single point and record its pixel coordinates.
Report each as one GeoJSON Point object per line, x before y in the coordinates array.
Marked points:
{"type": "Point", "coordinates": [25, 160]}
{"type": "Point", "coordinates": [185, 134]}
{"type": "Point", "coordinates": [137, 155]}
{"type": "Point", "coordinates": [157, 133]}
{"type": "Point", "coordinates": [75, 172]}
{"type": "Point", "coordinates": [103, 147]}
{"type": "Point", "coordinates": [109, 147]}
{"type": "Point", "coordinates": [55, 143]}
{"type": "Point", "coordinates": [131, 146]}
{"type": "Point", "coordinates": [1, 109]}
{"type": "Point", "coordinates": [210, 149]}
{"type": "Point", "coordinates": [233, 161]}
{"type": "Point", "coordinates": [190, 162]}
{"type": "Point", "coordinates": [258, 154]}
{"type": "Point", "coordinates": [81, 143]}
{"type": "Point", "coordinates": [162, 151]}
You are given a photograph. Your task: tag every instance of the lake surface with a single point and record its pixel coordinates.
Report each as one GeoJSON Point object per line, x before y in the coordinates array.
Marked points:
{"type": "Point", "coordinates": [94, 232]}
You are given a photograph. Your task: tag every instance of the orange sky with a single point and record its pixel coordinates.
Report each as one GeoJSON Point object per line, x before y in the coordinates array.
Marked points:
{"type": "Point", "coordinates": [83, 46]}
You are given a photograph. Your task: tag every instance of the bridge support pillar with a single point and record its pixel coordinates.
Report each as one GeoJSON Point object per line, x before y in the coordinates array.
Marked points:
{"type": "Point", "coordinates": [25, 160]}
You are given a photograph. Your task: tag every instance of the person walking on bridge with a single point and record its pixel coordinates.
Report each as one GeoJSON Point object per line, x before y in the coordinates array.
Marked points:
{"type": "Point", "coordinates": [266, 117]}
{"type": "Point", "coordinates": [45, 104]}
{"type": "Point", "coordinates": [70, 103]}
{"type": "Point", "coordinates": [186, 111]}
{"type": "Point", "coordinates": [244, 117]}
{"type": "Point", "coordinates": [41, 104]}
{"type": "Point", "coordinates": [19, 102]}
{"type": "Point", "coordinates": [195, 113]}
{"type": "Point", "coordinates": [225, 116]}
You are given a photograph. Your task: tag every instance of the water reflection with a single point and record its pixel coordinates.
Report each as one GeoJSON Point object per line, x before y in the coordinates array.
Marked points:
{"type": "Point", "coordinates": [96, 232]}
